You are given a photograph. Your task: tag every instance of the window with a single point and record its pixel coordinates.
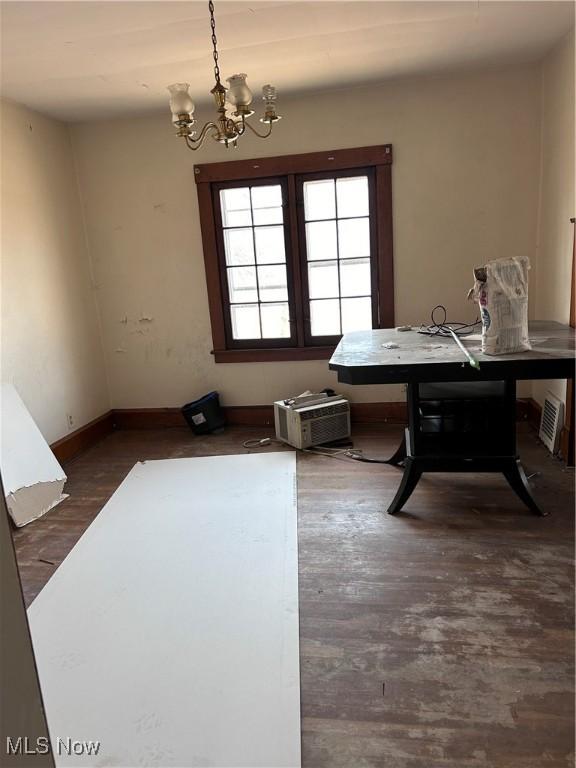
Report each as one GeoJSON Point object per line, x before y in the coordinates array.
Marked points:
{"type": "Point", "coordinates": [337, 246]}
{"type": "Point", "coordinates": [252, 242]}
{"type": "Point", "coordinates": [298, 251]}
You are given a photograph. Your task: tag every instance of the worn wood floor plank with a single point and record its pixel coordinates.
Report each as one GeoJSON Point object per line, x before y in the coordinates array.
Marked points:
{"type": "Point", "coordinates": [439, 638]}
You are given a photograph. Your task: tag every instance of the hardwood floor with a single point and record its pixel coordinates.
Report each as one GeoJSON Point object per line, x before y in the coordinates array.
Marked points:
{"type": "Point", "coordinates": [439, 638]}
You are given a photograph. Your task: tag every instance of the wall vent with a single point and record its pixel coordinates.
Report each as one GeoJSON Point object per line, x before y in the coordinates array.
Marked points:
{"type": "Point", "coordinates": [551, 422]}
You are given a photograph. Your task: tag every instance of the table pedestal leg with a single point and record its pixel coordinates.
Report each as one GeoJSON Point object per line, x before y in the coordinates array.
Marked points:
{"type": "Point", "coordinates": [410, 479]}
{"type": "Point", "coordinates": [518, 481]}
{"type": "Point", "coordinates": [399, 454]}
{"type": "Point", "coordinates": [510, 467]}
{"type": "Point", "coordinates": [425, 450]}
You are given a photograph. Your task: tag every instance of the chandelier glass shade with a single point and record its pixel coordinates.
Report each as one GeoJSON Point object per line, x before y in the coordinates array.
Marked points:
{"type": "Point", "coordinates": [233, 106]}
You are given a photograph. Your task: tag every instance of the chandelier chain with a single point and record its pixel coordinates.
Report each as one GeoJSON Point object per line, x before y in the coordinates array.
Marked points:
{"type": "Point", "coordinates": [214, 41]}
{"type": "Point", "coordinates": [232, 106]}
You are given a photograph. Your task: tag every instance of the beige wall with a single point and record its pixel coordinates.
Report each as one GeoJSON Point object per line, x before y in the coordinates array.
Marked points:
{"type": "Point", "coordinates": [555, 232]}
{"type": "Point", "coordinates": [51, 343]}
{"type": "Point", "coordinates": [465, 184]}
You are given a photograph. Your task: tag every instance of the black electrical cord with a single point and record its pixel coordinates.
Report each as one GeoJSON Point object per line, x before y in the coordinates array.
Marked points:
{"type": "Point", "coordinates": [368, 460]}
{"type": "Point", "coordinates": [440, 326]}
{"type": "Point", "coordinates": [352, 454]}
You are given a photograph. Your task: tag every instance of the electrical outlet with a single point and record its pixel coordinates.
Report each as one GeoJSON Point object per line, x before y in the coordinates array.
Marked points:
{"type": "Point", "coordinates": [70, 420]}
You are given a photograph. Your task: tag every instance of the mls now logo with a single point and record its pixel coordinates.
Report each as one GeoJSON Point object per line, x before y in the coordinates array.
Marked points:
{"type": "Point", "coordinates": [70, 747]}
{"type": "Point", "coordinates": [22, 745]}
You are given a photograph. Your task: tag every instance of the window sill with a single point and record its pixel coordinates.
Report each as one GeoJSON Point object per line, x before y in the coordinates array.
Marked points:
{"type": "Point", "coordinates": [281, 354]}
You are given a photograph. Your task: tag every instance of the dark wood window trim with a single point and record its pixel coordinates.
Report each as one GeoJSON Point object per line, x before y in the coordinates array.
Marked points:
{"type": "Point", "coordinates": [288, 170]}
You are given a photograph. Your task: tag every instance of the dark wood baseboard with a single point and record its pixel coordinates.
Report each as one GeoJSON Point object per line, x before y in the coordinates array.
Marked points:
{"type": "Point", "coordinates": [566, 450]}
{"type": "Point", "coordinates": [379, 413]}
{"type": "Point", "coordinates": [147, 418]}
{"type": "Point", "coordinates": [81, 439]}
{"type": "Point", "coordinates": [533, 413]}
{"type": "Point", "coordinates": [362, 414]}
{"type": "Point", "coordinates": [567, 440]}
{"type": "Point", "coordinates": [263, 415]}
{"type": "Point", "coordinates": [251, 415]}
{"type": "Point", "coordinates": [157, 418]}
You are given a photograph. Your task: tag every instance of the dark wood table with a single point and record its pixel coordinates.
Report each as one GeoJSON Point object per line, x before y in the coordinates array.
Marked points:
{"type": "Point", "coordinates": [423, 363]}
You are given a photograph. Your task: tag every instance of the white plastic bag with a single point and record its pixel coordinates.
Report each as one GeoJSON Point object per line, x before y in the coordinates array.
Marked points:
{"type": "Point", "coordinates": [501, 289]}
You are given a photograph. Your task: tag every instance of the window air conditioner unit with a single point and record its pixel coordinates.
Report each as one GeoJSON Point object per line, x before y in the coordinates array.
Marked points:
{"type": "Point", "coordinates": [312, 420]}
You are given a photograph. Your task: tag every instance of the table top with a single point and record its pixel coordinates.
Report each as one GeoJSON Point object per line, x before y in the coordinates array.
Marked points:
{"type": "Point", "coordinates": [361, 358]}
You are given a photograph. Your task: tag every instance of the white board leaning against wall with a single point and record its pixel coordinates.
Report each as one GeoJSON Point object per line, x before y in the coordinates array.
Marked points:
{"type": "Point", "coordinates": [32, 477]}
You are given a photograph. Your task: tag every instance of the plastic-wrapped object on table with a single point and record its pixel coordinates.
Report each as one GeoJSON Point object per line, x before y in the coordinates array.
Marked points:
{"type": "Point", "coordinates": [501, 289]}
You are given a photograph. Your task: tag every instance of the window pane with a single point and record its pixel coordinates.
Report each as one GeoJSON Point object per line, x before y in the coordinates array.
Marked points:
{"type": "Point", "coordinates": [353, 238]}
{"type": "Point", "coordinates": [325, 317]}
{"type": "Point", "coordinates": [245, 321]}
{"type": "Point", "coordinates": [269, 245]}
{"type": "Point", "coordinates": [355, 277]}
{"type": "Point", "coordinates": [267, 204]}
{"type": "Point", "coordinates": [268, 216]}
{"type": "Point", "coordinates": [323, 279]}
{"type": "Point", "coordinates": [319, 200]}
{"type": "Point", "coordinates": [352, 196]}
{"type": "Point", "coordinates": [321, 240]}
{"type": "Point", "coordinates": [267, 196]}
{"type": "Point", "coordinates": [275, 321]}
{"type": "Point", "coordinates": [242, 284]}
{"type": "Point", "coordinates": [356, 315]}
{"type": "Point", "coordinates": [272, 283]}
{"type": "Point", "coordinates": [239, 246]}
{"type": "Point", "coordinates": [235, 205]}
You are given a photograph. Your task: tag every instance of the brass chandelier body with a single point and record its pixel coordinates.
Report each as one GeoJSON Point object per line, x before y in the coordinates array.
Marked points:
{"type": "Point", "coordinates": [226, 128]}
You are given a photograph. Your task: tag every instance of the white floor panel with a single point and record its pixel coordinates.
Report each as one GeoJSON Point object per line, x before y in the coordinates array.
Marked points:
{"type": "Point", "coordinates": [170, 632]}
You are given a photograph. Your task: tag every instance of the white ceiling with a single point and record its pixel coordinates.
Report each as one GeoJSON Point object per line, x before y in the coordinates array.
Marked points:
{"type": "Point", "coordinates": [84, 60]}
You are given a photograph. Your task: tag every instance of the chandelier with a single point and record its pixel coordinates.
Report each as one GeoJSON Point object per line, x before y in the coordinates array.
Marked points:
{"type": "Point", "coordinates": [233, 105]}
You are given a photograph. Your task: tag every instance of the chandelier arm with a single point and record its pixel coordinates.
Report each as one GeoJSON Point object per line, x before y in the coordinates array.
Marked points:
{"type": "Point", "coordinates": [261, 135]}
{"type": "Point", "coordinates": [241, 129]}
{"type": "Point", "coordinates": [197, 143]}
{"type": "Point", "coordinates": [190, 145]}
